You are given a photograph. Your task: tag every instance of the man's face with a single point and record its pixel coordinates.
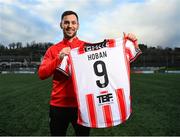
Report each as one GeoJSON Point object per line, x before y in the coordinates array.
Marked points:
{"type": "Point", "coordinates": [69, 25]}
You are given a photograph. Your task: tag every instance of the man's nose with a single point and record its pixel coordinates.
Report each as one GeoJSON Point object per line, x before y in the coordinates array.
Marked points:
{"type": "Point", "coordinates": [70, 25]}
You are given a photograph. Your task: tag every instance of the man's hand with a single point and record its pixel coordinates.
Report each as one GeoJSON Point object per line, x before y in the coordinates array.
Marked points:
{"type": "Point", "coordinates": [130, 37]}
{"type": "Point", "coordinates": [64, 51]}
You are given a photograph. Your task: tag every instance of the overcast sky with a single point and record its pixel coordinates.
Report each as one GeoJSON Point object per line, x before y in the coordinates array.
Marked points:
{"type": "Point", "coordinates": [155, 22]}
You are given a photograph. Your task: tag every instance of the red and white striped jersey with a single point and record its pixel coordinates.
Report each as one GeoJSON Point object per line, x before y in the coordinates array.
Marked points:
{"type": "Point", "coordinates": [101, 76]}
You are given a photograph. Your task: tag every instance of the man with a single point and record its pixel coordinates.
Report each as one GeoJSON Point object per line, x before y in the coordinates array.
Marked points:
{"type": "Point", "coordinates": [63, 104]}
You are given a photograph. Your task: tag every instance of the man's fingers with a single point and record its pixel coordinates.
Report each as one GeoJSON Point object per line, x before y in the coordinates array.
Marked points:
{"type": "Point", "coordinates": [64, 51]}
{"type": "Point", "coordinates": [130, 36]}
{"type": "Point", "coordinates": [67, 50]}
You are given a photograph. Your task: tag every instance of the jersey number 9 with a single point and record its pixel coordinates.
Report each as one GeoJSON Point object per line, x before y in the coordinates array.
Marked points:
{"type": "Point", "coordinates": [101, 72]}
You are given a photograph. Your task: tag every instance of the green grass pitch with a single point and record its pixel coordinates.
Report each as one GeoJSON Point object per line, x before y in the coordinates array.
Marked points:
{"type": "Point", "coordinates": [24, 106]}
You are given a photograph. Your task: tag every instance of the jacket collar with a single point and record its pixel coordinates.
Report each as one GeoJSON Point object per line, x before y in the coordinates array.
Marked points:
{"type": "Point", "coordinates": [72, 44]}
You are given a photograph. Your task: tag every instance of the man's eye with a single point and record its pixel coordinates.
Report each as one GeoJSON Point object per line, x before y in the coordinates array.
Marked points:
{"type": "Point", "coordinates": [66, 22]}
{"type": "Point", "coordinates": [74, 22]}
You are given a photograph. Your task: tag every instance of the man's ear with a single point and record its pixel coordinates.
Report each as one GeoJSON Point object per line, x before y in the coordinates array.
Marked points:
{"type": "Point", "coordinates": [78, 25]}
{"type": "Point", "coordinates": [60, 25]}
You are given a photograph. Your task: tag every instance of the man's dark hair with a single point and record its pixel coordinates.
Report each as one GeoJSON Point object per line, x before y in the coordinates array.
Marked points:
{"type": "Point", "coordinates": [69, 12]}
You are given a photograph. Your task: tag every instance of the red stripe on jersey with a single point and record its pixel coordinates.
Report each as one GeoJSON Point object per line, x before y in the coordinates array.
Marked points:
{"type": "Point", "coordinates": [121, 103]}
{"type": "Point", "coordinates": [108, 115]}
{"type": "Point", "coordinates": [91, 110]}
{"type": "Point", "coordinates": [111, 43]}
{"type": "Point", "coordinates": [103, 92]}
{"type": "Point", "coordinates": [128, 51]}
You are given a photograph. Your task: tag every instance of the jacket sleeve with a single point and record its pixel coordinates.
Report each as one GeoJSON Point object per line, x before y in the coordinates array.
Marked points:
{"type": "Point", "coordinates": [48, 65]}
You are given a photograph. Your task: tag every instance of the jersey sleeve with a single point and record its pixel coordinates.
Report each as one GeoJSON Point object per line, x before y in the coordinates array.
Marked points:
{"type": "Point", "coordinates": [132, 50]}
{"type": "Point", "coordinates": [64, 66]}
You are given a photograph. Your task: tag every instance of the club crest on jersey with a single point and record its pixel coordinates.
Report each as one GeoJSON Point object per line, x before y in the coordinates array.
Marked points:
{"type": "Point", "coordinates": [94, 46]}
{"type": "Point", "coordinates": [105, 98]}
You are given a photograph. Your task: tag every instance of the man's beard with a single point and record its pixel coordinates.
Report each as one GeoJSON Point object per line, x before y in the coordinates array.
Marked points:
{"type": "Point", "coordinates": [70, 36]}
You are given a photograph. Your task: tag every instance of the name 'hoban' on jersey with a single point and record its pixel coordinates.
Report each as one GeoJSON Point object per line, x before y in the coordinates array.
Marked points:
{"type": "Point", "coordinates": [97, 55]}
